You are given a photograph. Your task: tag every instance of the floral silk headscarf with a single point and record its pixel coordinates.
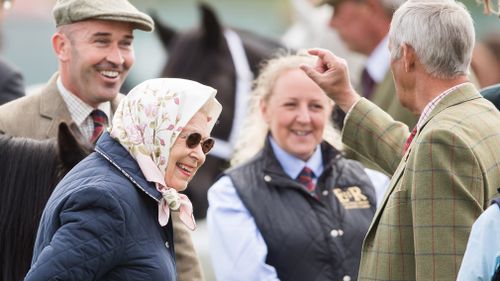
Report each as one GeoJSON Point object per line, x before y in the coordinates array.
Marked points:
{"type": "Point", "coordinates": [147, 123]}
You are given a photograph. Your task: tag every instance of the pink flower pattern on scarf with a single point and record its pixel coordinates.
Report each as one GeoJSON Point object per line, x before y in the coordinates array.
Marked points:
{"type": "Point", "coordinates": [147, 123]}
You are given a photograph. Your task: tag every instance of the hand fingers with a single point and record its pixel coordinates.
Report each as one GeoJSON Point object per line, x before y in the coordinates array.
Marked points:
{"type": "Point", "coordinates": [318, 52]}
{"type": "Point", "coordinates": [311, 73]}
{"type": "Point", "coordinates": [326, 59]}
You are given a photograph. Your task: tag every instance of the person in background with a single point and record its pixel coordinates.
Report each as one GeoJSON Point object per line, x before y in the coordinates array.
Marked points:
{"type": "Point", "coordinates": [109, 218]}
{"type": "Point", "coordinates": [445, 172]}
{"type": "Point", "coordinates": [482, 257]}
{"type": "Point", "coordinates": [363, 25]}
{"type": "Point", "coordinates": [11, 80]}
{"type": "Point", "coordinates": [94, 46]}
{"type": "Point", "coordinates": [492, 93]}
{"type": "Point", "coordinates": [291, 207]}
{"type": "Point", "coordinates": [486, 62]}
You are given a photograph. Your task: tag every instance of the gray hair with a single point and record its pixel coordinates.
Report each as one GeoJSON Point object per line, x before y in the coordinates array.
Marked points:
{"type": "Point", "coordinates": [440, 31]}
{"type": "Point", "coordinates": [254, 130]}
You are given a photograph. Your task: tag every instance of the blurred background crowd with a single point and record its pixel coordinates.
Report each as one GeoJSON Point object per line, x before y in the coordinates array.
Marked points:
{"type": "Point", "coordinates": [28, 26]}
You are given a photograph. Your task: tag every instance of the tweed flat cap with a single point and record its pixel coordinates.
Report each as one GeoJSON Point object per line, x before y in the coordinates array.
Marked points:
{"type": "Point", "coordinates": [71, 11]}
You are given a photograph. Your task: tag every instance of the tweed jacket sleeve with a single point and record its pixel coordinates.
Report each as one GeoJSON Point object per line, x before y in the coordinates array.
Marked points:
{"type": "Point", "coordinates": [367, 134]}
{"type": "Point", "coordinates": [438, 188]}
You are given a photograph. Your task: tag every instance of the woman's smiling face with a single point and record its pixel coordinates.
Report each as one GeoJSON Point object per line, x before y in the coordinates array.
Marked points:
{"type": "Point", "coordinates": [297, 112]}
{"type": "Point", "coordinates": [183, 162]}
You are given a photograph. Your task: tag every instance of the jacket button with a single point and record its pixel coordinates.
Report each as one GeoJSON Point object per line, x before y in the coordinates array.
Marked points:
{"type": "Point", "coordinates": [167, 245]}
{"type": "Point", "coordinates": [325, 192]}
{"type": "Point", "coordinates": [346, 278]}
{"type": "Point", "coordinates": [267, 178]}
{"type": "Point", "coordinates": [336, 232]}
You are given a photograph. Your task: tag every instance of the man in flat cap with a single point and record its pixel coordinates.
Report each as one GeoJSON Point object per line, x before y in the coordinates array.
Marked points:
{"type": "Point", "coordinates": [93, 43]}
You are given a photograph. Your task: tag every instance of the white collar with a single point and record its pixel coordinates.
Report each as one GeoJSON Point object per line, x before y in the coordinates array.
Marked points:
{"type": "Point", "coordinates": [379, 61]}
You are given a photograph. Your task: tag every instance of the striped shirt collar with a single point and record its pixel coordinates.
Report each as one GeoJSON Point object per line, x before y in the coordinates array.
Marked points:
{"type": "Point", "coordinates": [431, 105]}
{"type": "Point", "coordinates": [78, 109]}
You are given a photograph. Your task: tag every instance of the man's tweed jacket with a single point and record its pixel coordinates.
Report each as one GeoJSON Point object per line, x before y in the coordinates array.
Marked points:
{"type": "Point", "coordinates": [38, 116]}
{"type": "Point", "coordinates": [438, 188]}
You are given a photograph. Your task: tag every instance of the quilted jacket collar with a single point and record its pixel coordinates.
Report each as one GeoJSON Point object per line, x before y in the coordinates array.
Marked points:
{"type": "Point", "coordinates": [121, 159]}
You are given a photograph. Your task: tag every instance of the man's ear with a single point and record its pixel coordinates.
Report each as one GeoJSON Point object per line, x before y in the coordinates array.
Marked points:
{"type": "Point", "coordinates": [409, 57]}
{"type": "Point", "coordinates": [61, 45]}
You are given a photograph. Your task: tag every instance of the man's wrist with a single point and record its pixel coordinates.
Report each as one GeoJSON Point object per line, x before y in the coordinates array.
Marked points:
{"type": "Point", "coordinates": [348, 112]}
{"type": "Point", "coordinates": [349, 101]}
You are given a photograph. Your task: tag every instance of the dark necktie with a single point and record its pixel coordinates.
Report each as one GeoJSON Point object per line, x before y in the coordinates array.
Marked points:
{"type": "Point", "coordinates": [99, 118]}
{"type": "Point", "coordinates": [409, 139]}
{"type": "Point", "coordinates": [306, 179]}
{"type": "Point", "coordinates": [367, 83]}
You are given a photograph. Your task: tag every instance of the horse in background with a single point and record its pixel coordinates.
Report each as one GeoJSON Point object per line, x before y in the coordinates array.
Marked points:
{"type": "Point", "coordinates": [226, 59]}
{"type": "Point", "coordinates": [29, 171]}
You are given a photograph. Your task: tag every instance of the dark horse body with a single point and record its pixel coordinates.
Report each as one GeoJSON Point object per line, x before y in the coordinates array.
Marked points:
{"type": "Point", "coordinates": [29, 171]}
{"type": "Point", "coordinates": [223, 58]}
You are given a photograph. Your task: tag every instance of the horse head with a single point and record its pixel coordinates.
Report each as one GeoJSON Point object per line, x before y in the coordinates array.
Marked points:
{"type": "Point", "coordinates": [201, 54]}
{"type": "Point", "coordinates": [70, 149]}
{"type": "Point", "coordinates": [227, 59]}
{"type": "Point", "coordinates": [29, 171]}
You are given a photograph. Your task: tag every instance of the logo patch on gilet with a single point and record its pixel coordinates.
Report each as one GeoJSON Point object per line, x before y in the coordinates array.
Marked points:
{"type": "Point", "coordinates": [352, 198]}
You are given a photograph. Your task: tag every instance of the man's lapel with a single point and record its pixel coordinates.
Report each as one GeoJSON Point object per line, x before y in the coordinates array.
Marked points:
{"type": "Point", "coordinates": [53, 107]}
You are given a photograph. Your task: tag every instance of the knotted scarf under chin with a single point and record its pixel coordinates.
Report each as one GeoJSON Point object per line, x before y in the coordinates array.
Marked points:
{"type": "Point", "coordinates": [171, 199]}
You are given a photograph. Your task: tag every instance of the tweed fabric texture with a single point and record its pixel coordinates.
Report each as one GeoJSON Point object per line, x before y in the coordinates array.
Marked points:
{"type": "Point", "coordinates": [439, 187]}
{"type": "Point", "coordinates": [71, 11]}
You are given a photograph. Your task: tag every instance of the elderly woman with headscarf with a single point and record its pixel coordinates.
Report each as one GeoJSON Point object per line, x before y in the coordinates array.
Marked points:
{"type": "Point", "coordinates": [109, 218]}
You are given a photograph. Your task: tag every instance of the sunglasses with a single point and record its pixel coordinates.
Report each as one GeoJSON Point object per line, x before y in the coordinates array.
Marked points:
{"type": "Point", "coordinates": [193, 139]}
